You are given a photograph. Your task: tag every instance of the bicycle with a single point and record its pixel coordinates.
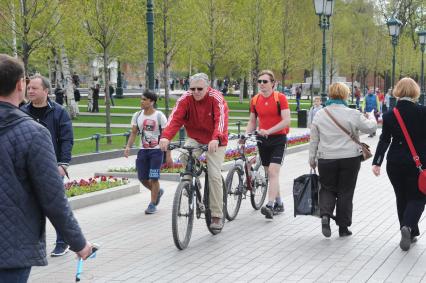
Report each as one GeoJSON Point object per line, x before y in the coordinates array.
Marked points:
{"type": "Point", "coordinates": [188, 195]}
{"type": "Point", "coordinates": [247, 174]}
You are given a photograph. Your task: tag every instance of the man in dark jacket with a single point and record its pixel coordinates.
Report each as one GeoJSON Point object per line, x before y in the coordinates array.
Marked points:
{"type": "Point", "coordinates": [31, 187]}
{"type": "Point", "coordinates": [56, 119]}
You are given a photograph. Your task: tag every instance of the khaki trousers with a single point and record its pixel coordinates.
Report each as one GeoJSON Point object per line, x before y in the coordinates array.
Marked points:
{"type": "Point", "coordinates": [214, 165]}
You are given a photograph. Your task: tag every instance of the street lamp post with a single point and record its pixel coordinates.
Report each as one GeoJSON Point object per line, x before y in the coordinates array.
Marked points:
{"type": "Point", "coordinates": [119, 89]}
{"type": "Point", "coordinates": [394, 26]}
{"type": "Point", "coordinates": [324, 10]}
{"type": "Point", "coordinates": [150, 25]}
{"type": "Point", "coordinates": [422, 39]}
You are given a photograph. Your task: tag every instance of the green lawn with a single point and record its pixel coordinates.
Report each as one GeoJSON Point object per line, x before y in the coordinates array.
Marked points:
{"type": "Point", "coordinates": [101, 119]}
{"type": "Point", "coordinates": [81, 147]}
{"type": "Point", "coordinates": [88, 146]}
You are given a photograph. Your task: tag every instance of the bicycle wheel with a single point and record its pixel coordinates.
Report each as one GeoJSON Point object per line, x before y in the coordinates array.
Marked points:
{"type": "Point", "coordinates": [234, 183]}
{"type": "Point", "coordinates": [208, 211]}
{"type": "Point", "coordinates": [260, 187]}
{"type": "Point", "coordinates": [182, 215]}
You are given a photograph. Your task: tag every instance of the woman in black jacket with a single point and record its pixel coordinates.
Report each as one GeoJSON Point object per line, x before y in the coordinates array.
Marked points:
{"type": "Point", "coordinates": [400, 167]}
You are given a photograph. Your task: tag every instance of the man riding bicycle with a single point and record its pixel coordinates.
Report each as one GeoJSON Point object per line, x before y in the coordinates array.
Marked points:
{"type": "Point", "coordinates": [204, 113]}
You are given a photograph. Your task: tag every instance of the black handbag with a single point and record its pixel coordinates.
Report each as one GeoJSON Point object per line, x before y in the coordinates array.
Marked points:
{"type": "Point", "coordinates": [306, 195]}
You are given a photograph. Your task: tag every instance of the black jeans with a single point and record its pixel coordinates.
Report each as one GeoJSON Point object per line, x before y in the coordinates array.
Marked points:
{"type": "Point", "coordinates": [95, 105]}
{"type": "Point", "coordinates": [410, 202]}
{"type": "Point", "coordinates": [15, 275]}
{"type": "Point", "coordinates": [338, 180]}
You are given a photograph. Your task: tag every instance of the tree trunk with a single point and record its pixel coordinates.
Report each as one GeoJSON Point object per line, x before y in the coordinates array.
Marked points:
{"type": "Point", "coordinates": [375, 78]}
{"type": "Point", "coordinates": [212, 70]}
{"type": "Point", "coordinates": [166, 87]}
{"type": "Point", "coordinates": [352, 84]}
{"type": "Point", "coordinates": [245, 90]}
{"type": "Point", "coordinates": [15, 48]}
{"type": "Point", "coordinates": [166, 61]}
{"type": "Point", "coordinates": [241, 95]}
{"type": "Point", "coordinates": [58, 76]}
{"type": "Point", "coordinates": [107, 98]}
{"type": "Point", "coordinates": [68, 87]}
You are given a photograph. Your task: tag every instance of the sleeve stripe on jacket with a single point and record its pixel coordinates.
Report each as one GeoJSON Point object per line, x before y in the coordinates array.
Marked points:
{"type": "Point", "coordinates": [218, 96]}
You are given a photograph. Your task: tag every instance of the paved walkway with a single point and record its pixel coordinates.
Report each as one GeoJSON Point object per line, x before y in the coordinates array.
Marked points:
{"type": "Point", "coordinates": [139, 248]}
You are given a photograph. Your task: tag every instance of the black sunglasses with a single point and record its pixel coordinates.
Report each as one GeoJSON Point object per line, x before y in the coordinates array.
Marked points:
{"type": "Point", "coordinates": [262, 81]}
{"type": "Point", "coordinates": [196, 88]}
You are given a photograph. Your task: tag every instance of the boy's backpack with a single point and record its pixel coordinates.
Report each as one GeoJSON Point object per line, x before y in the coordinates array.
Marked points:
{"type": "Point", "coordinates": [158, 122]}
{"type": "Point", "coordinates": [276, 98]}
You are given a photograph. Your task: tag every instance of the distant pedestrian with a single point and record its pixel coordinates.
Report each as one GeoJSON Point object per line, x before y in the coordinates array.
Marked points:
{"type": "Point", "coordinates": [298, 97]}
{"type": "Point", "coordinates": [371, 104]}
{"type": "Point", "coordinates": [111, 94]}
{"type": "Point", "coordinates": [157, 85]}
{"type": "Point", "coordinates": [31, 188]}
{"type": "Point", "coordinates": [338, 157]}
{"type": "Point", "coordinates": [400, 167]}
{"type": "Point", "coordinates": [95, 94]}
{"type": "Point", "coordinates": [387, 99]}
{"type": "Point", "coordinates": [59, 95]}
{"type": "Point", "coordinates": [314, 109]}
{"type": "Point", "coordinates": [149, 122]}
{"type": "Point", "coordinates": [357, 94]}
{"type": "Point", "coordinates": [76, 79]}
{"type": "Point", "coordinates": [77, 98]}
{"type": "Point", "coordinates": [381, 98]}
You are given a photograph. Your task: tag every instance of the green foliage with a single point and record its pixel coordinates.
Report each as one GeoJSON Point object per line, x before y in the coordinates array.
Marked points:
{"type": "Point", "coordinates": [223, 38]}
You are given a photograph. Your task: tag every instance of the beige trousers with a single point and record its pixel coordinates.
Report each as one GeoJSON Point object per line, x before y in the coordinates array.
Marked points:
{"type": "Point", "coordinates": [214, 165]}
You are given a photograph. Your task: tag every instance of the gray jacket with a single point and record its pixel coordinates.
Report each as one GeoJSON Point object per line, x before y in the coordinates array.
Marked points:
{"type": "Point", "coordinates": [30, 190]}
{"type": "Point", "coordinates": [330, 142]}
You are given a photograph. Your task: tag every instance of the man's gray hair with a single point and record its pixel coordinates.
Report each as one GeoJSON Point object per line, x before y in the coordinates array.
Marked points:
{"type": "Point", "coordinates": [200, 77]}
{"type": "Point", "coordinates": [44, 81]}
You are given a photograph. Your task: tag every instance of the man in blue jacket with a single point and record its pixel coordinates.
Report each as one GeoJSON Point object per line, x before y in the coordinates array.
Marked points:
{"type": "Point", "coordinates": [30, 185]}
{"type": "Point", "coordinates": [56, 119]}
{"type": "Point", "coordinates": [371, 103]}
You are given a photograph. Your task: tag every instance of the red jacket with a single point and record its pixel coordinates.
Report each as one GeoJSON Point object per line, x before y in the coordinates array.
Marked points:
{"type": "Point", "coordinates": [204, 120]}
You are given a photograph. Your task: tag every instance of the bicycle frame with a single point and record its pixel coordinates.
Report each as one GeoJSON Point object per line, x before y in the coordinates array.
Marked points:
{"type": "Point", "coordinates": [191, 170]}
{"type": "Point", "coordinates": [248, 163]}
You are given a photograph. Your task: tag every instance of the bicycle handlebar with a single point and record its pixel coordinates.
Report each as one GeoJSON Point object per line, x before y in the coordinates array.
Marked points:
{"type": "Point", "coordinates": [173, 146]}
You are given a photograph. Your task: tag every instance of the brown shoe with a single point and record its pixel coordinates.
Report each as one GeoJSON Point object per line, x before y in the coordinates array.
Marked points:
{"type": "Point", "coordinates": [216, 223]}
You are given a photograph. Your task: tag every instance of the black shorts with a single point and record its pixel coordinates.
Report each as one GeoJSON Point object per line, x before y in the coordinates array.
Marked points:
{"type": "Point", "coordinates": [271, 149]}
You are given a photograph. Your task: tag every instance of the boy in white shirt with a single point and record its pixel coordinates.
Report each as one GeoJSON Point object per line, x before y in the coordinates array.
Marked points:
{"type": "Point", "coordinates": [149, 122]}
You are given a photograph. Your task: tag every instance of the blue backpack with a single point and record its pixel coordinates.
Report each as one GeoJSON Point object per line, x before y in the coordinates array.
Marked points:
{"type": "Point", "coordinates": [370, 103]}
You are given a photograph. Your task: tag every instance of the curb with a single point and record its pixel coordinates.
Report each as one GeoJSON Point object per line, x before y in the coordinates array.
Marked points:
{"type": "Point", "coordinates": [103, 196]}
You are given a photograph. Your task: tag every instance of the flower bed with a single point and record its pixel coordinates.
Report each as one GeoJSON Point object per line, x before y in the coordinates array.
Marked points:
{"type": "Point", "coordinates": [297, 140]}
{"type": "Point", "coordinates": [230, 155]}
{"type": "Point", "coordinates": [75, 188]}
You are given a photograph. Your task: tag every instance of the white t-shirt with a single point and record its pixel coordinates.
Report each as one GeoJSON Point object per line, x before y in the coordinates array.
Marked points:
{"type": "Point", "coordinates": [148, 126]}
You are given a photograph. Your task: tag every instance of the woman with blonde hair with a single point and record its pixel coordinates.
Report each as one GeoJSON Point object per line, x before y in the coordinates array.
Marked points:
{"type": "Point", "coordinates": [400, 167]}
{"type": "Point", "coordinates": [338, 157]}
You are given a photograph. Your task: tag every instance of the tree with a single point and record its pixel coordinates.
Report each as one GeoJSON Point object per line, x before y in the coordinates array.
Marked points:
{"type": "Point", "coordinates": [103, 20]}
{"type": "Point", "coordinates": [172, 36]}
{"type": "Point", "coordinates": [30, 23]}
{"type": "Point", "coordinates": [211, 39]}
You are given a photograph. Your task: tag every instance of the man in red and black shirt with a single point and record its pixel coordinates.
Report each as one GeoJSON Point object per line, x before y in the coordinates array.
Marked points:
{"type": "Point", "coordinates": [204, 113]}
{"type": "Point", "coordinates": [273, 129]}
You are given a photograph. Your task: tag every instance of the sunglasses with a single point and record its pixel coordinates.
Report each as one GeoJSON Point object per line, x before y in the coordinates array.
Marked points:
{"type": "Point", "coordinates": [262, 81]}
{"type": "Point", "coordinates": [196, 88]}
